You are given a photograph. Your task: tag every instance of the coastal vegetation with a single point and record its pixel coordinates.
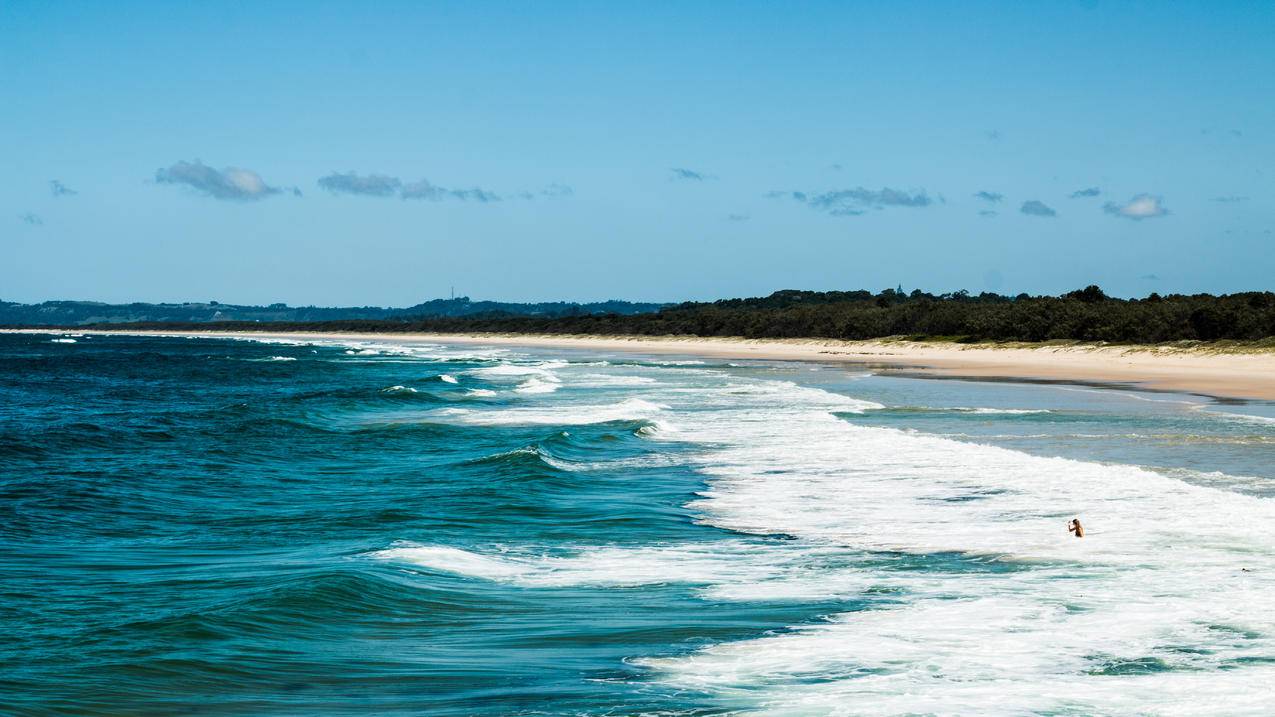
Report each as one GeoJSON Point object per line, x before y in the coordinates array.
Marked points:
{"type": "Point", "coordinates": [1088, 315]}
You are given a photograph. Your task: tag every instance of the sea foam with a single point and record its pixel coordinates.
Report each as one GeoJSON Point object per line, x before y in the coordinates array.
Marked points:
{"type": "Point", "coordinates": [1025, 617]}
{"type": "Point", "coordinates": [973, 598]}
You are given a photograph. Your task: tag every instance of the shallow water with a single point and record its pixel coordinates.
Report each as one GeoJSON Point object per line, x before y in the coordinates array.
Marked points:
{"type": "Point", "coordinates": [221, 526]}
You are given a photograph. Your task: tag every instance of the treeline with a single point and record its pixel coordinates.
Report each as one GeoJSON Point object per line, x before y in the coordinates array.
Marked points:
{"type": "Point", "coordinates": [1084, 315]}
{"type": "Point", "coordinates": [81, 313]}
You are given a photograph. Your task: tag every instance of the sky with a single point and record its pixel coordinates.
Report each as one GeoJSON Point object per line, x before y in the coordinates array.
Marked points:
{"type": "Point", "coordinates": [383, 153]}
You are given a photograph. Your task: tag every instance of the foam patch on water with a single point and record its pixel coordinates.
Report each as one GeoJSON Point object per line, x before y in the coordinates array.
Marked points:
{"type": "Point", "coordinates": [61, 341]}
{"type": "Point", "coordinates": [596, 566]}
{"type": "Point", "coordinates": [596, 380]}
{"type": "Point", "coordinates": [398, 389]}
{"type": "Point", "coordinates": [997, 411]}
{"type": "Point", "coordinates": [633, 409]}
{"type": "Point", "coordinates": [533, 379]}
{"type": "Point", "coordinates": [447, 378]}
{"type": "Point", "coordinates": [538, 385]}
{"type": "Point", "coordinates": [1243, 417]}
{"type": "Point", "coordinates": [505, 370]}
{"type": "Point", "coordinates": [405, 351]}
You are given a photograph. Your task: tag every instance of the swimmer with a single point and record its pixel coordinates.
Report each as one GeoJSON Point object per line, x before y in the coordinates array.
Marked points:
{"type": "Point", "coordinates": [1075, 527]}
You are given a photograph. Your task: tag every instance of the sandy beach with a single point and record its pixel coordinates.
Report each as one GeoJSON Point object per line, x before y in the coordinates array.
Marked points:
{"type": "Point", "coordinates": [1223, 373]}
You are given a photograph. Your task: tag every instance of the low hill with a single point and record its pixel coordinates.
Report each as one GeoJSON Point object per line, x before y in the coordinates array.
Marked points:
{"type": "Point", "coordinates": [83, 313]}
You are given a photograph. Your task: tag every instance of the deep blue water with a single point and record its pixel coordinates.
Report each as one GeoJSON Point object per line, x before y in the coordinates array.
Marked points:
{"type": "Point", "coordinates": [220, 526]}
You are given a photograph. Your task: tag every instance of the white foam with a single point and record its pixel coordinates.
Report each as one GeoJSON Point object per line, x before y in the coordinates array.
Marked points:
{"type": "Point", "coordinates": [446, 378]}
{"type": "Point", "coordinates": [413, 351]}
{"type": "Point", "coordinates": [398, 389]}
{"type": "Point", "coordinates": [632, 409]}
{"type": "Point", "coordinates": [537, 385]}
{"type": "Point", "coordinates": [995, 411]}
{"type": "Point", "coordinates": [656, 429]}
{"type": "Point", "coordinates": [600, 566]}
{"type": "Point", "coordinates": [597, 380]}
{"type": "Point", "coordinates": [258, 340]}
{"type": "Point", "coordinates": [1242, 417]}
{"type": "Point", "coordinates": [61, 341]}
{"type": "Point", "coordinates": [503, 370]}
{"type": "Point", "coordinates": [482, 392]}
{"type": "Point", "coordinates": [1158, 576]}
{"type": "Point", "coordinates": [1005, 613]}
{"type": "Point", "coordinates": [506, 369]}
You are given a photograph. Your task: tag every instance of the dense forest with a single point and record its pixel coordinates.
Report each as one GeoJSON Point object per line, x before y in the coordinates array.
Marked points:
{"type": "Point", "coordinates": [1084, 315]}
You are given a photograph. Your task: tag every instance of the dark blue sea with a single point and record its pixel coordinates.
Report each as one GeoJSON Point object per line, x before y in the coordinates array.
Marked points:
{"type": "Point", "coordinates": [219, 526]}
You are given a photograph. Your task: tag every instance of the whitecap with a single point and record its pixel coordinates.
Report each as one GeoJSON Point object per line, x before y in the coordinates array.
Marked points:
{"type": "Point", "coordinates": [995, 411]}
{"type": "Point", "coordinates": [632, 409]}
{"type": "Point", "coordinates": [597, 566]}
{"type": "Point", "coordinates": [537, 385]}
{"type": "Point", "coordinates": [598, 380]}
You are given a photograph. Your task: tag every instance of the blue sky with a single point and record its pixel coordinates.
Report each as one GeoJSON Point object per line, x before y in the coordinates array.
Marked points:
{"type": "Point", "coordinates": [380, 153]}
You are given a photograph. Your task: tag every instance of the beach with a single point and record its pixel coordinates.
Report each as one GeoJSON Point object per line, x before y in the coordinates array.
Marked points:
{"type": "Point", "coordinates": [1220, 372]}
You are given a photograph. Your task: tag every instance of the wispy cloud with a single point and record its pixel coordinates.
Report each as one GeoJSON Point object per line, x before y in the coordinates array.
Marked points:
{"type": "Point", "coordinates": [556, 190]}
{"type": "Point", "coordinates": [856, 201]}
{"type": "Point", "coordinates": [232, 183]}
{"type": "Point", "coordinates": [988, 213]}
{"type": "Point", "coordinates": [424, 190]}
{"type": "Point", "coordinates": [1084, 193]}
{"type": "Point", "coordinates": [1142, 206]}
{"type": "Point", "coordinates": [1232, 133]}
{"type": "Point", "coordinates": [384, 185]}
{"type": "Point", "coordinates": [32, 219]}
{"type": "Point", "coordinates": [1037, 208]}
{"type": "Point", "coordinates": [1230, 199]}
{"type": "Point", "coordinates": [368, 185]}
{"type": "Point", "coordinates": [682, 173]}
{"type": "Point", "coordinates": [552, 191]}
{"type": "Point", "coordinates": [61, 190]}
{"type": "Point", "coordinates": [993, 197]}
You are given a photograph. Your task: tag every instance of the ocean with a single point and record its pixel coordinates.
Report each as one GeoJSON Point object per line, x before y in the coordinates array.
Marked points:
{"type": "Point", "coordinates": [219, 526]}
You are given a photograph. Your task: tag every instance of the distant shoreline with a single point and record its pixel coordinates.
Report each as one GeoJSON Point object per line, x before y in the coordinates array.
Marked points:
{"type": "Point", "coordinates": [1210, 371]}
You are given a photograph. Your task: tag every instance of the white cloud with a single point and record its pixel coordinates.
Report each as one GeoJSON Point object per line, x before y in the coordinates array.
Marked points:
{"type": "Point", "coordinates": [229, 183]}
{"type": "Point", "coordinates": [1142, 206]}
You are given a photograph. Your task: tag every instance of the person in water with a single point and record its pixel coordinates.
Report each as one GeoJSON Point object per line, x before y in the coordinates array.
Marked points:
{"type": "Point", "coordinates": [1075, 527]}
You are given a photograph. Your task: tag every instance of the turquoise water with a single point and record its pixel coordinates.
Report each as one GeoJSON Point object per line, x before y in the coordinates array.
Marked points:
{"type": "Point", "coordinates": [219, 526]}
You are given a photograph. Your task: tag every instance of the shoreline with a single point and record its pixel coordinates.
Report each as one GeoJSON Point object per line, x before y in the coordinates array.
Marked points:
{"type": "Point", "coordinates": [1229, 375]}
